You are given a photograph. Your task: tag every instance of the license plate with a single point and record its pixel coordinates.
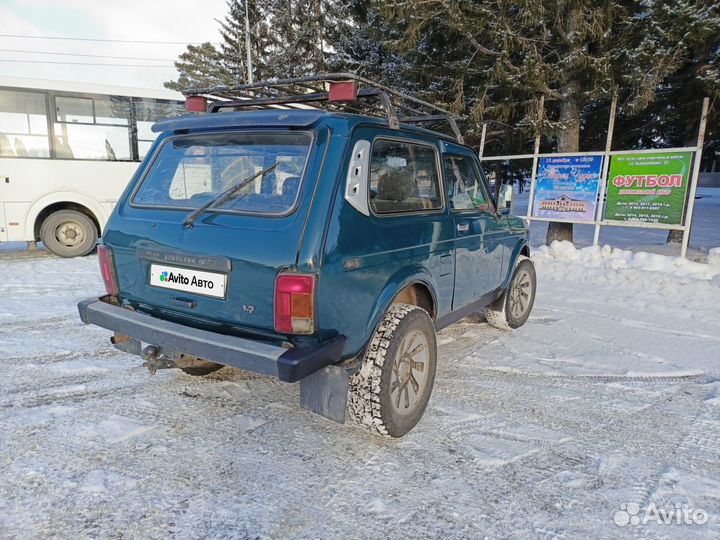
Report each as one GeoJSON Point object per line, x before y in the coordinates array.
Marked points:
{"type": "Point", "coordinates": [185, 279]}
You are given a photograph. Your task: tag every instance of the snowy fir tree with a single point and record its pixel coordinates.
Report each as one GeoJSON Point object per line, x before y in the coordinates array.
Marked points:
{"type": "Point", "coordinates": [492, 61]}
{"type": "Point", "coordinates": [200, 66]}
{"type": "Point", "coordinates": [496, 58]}
{"type": "Point", "coordinates": [234, 39]}
{"type": "Point", "coordinates": [288, 38]}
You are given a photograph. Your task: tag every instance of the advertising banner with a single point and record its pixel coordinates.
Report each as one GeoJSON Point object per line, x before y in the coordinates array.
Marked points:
{"type": "Point", "coordinates": [649, 188]}
{"type": "Point", "coordinates": [567, 187]}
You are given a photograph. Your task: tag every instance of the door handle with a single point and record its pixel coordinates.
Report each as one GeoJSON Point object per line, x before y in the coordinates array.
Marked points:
{"type": "Point", "coordinates": [183, 302]}
{"type": "Point", "coordinates": [463, 227]}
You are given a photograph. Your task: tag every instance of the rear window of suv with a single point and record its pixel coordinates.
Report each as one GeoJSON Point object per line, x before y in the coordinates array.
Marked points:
{"type": "Point", "coordinates": [190, 170]}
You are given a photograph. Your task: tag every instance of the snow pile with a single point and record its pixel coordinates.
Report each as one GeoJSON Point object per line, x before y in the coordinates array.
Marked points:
{"type": "Point", "coordinates": [609, 258]}
{"type": "Point", "coordinates": [713, 258]}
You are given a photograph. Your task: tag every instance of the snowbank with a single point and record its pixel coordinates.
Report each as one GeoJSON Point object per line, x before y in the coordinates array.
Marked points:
{"type": "Point", "coordinates": [610, 258]}
{"type": "Point", "coordinates": [713, 258]}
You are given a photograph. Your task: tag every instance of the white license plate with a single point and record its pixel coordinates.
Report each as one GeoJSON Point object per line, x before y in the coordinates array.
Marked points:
{"type": "Point", "coordinates": [184, 279]}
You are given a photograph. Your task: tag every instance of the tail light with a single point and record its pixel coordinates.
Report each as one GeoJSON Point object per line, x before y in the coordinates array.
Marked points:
{"type": "Point", "coordinates": [294, 304]}
{"type": "Point", "coordinates": [107, 269]}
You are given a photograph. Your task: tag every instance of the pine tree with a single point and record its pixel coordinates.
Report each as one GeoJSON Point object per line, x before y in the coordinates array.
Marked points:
{"type": "Point", "coordinates": [496, 58]}
{"type": "Point", "coordinates": [305, 36]}
{"type": "Point", "coordinates": [200, 66]}
{"type": "Point", "coordinates": [288, 38]}
{"type": "Point", "coordinates": [360, 49]}
{"type": "Point", "coordinates": [367, 46]}
{"type": "Point", "coordinates": [683, 47]}
{"type": "Point", "coordinates": [234, 39]}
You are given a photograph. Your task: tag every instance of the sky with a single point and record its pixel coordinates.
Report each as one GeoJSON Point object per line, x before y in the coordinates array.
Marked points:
{"type": "Point", "coordinates": [180, 21]}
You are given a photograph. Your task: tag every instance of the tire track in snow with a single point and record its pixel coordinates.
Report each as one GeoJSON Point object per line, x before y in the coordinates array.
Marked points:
{"type": "Point", "coordinates": [50, 358]}
{"type": "Point", "coordinates": [631, 323]}
{"type": "Point", "coordinates": [602, 431]}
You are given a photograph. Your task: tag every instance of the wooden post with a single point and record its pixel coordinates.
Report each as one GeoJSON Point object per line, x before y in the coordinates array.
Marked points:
{"type": "Point", "coordinates": [600, 207]}
{"type": "Point", "coordinates": [536, 151]}
{"type": "Point", "coordinates": [694, 178]}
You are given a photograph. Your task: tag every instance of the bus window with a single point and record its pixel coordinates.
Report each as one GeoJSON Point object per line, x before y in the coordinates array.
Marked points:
{"type": "Point", "coordinates": [97, 128]}
{"type": "Point", "coordinates": [76, 110]}
{"type": "Point", "coordinates": [149, 111]}
{"type": "Point", "coordinates": [112, 111]}
{"type": "Point", "coordinates": [23, 124]}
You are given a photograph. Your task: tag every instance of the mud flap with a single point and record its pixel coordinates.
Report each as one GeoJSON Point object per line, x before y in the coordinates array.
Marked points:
{"type": "Point", "coordinates": [325, 392]}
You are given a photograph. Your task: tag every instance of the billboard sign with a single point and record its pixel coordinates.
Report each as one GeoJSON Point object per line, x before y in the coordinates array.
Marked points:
{"type": "Point", "coordinates": [566, 187]}
{"type": "Point", "coordinates": [649, 188]}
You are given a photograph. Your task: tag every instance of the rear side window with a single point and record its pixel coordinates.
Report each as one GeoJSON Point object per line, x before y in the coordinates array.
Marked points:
{"type": "Point", "coordinates": [191, 170]}
{"type": "Point", "coordinates": [464, 185]}
{"type": "Point", "coordinates": [403, 177]}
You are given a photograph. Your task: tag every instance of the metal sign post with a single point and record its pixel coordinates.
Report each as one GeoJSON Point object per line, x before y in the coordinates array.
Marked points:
{"type": "Point", "coordinates": [603, 176]}
{"type": "Point", "coordinates": [536, 154]}
{"type": "Point", "coordinates": [694, 178]}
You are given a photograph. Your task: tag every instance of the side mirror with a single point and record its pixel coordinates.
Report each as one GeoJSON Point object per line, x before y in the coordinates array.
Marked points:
{"type": "Point", "coordinates": [505, 199]}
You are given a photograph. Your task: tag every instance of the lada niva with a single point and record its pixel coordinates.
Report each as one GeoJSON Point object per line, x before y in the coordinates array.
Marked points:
{"type": "Point", "coordinates": [310, 230]}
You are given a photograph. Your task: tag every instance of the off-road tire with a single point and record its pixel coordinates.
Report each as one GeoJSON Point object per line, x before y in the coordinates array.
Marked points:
{"type": "Point", "coordinates": [500, 313]}
{"type": "Point", "coordinates": [202, 368]}
{"type": "Point", "coordinates": [66, 222]}
{"type": "Point", "coordinates": [370, 395]}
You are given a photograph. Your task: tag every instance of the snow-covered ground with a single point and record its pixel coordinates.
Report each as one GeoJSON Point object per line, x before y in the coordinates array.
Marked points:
{"type": "Point", "coordinates": [609, 396]}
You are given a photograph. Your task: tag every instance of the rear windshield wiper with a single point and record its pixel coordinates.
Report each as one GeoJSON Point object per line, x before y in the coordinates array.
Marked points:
{"type": "Point", "coordinates": [225, 196]}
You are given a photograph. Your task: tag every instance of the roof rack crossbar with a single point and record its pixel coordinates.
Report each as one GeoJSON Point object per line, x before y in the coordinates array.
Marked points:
{"type": "Point", "coordinates": [368, 105]}
{"type": "Point", "coordinates": [251, 101]}
{"type": "Point", "coordinates": [436, 118]}
{"type": "Point", "coordinates": [314, 89]}
{"type": "Point", "coordinates": [216, 106]}
{"type": "Point", "coordinates": [387, 105]}
{"type": "Point", "coordinates": [326, 77]}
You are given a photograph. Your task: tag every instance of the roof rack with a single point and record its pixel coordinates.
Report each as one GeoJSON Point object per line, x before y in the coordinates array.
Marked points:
{"type": "Point", "coordinates": [345, 92]}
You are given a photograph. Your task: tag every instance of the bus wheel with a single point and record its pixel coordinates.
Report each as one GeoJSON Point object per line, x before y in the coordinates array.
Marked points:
{"type": "Point", "coordinates": [68, 233]}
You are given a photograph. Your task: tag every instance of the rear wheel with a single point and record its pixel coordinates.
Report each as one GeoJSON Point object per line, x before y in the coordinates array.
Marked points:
{"type": "Point", "coordinates": [68, 233]}
{"type": "Point", "coordinates": [513, 308]}
{"type": "Point", "coordinates": [392, 389]}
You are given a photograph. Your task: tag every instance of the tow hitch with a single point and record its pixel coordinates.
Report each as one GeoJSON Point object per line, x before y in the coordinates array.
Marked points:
{"type": "Point", "coordinates": [155, 359]}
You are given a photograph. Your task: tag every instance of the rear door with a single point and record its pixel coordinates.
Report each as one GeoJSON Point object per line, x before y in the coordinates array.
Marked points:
{"type": "Point", "coordinates": [407, 210]}
{"type": "Point", "coordinates": [399, 230]}
{"type": "Point", "coordinates": [221, 269]}
{"type": "Point", "coordinates": [478, 229]}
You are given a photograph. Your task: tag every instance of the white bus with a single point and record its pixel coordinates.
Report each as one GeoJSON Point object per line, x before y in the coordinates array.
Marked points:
{"type": "Point", "coordinates": [67, 151]}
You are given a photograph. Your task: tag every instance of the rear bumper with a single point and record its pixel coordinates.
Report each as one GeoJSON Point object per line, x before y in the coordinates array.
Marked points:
{"type": "Point", "coordinates": [288, 365]}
